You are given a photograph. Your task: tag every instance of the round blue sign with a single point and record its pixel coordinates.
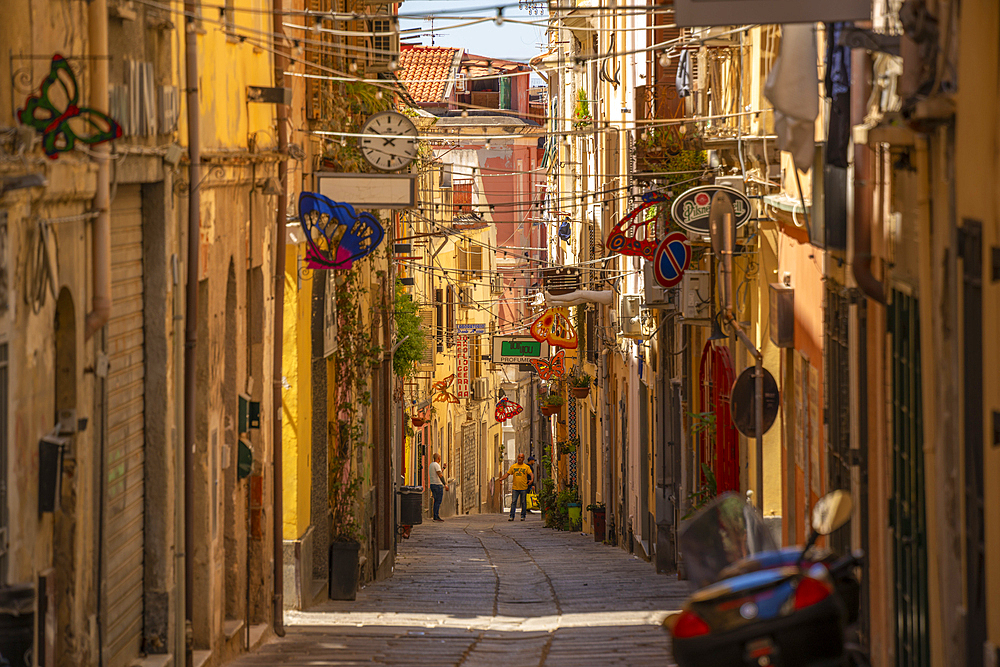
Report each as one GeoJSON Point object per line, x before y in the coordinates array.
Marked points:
{"type": "Point", "coordinates": [672, 259]}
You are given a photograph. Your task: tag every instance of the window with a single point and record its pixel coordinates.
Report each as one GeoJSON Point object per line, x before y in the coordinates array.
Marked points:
{"type": "Point", "coordinates": [461, 195]}
{"type": "Point", "coordinates": [439, 307]}
{"type": "Point", "coordinates": [450, 325]}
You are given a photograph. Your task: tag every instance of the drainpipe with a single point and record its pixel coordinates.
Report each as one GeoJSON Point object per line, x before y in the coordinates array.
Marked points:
{"type": "Point", "coordinates": [191, 306]}
{"type": "Point", "coordinates": [863, 190]}
{"type": "Point", "coordinates": [97, 22]}
{"type": "Point", "coordinates": [280, 62]}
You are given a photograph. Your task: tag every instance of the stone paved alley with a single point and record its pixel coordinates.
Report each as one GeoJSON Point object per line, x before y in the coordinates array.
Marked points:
{"type": "Point", "coordinates": [479, 590]}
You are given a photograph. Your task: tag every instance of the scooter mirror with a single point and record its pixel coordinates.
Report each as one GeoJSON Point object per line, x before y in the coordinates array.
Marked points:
{"type": "Point", "coordinates": [831, 512]}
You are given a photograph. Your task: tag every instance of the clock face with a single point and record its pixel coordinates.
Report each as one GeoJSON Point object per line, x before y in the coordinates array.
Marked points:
{"type": "Point", "coordinates": [389, 141]}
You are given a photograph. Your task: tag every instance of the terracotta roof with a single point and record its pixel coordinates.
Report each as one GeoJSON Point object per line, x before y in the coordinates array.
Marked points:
{"type": "Point", "coordinates": [425, 70]}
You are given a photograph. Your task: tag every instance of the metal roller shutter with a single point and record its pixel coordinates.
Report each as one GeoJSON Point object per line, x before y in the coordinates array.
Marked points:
{"type": "Point", "coordinates": [125, 448]}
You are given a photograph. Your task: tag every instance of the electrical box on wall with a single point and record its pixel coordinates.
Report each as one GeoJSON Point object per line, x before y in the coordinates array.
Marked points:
{"type": "Point", "coordinates": [782, 319]}
{"type": "Point", "coordinates": [696, 295]}
{"type": "Point", "coordinates": [655, 295]}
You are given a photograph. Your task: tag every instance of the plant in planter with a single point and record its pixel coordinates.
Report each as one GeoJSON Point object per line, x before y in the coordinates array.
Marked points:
{"type": "Point", "coordinates": [598, 512]}
{"type": "Point", "coordinates": [550, 403]}
{"type": "Point", "coordinates": [356, 352]}
{"type": "Point", "coordinates": [581, 112]}
{"type": "Point", "coordinates": [568, 446]}
{"type": "Point", "coordinates": [579, 384]}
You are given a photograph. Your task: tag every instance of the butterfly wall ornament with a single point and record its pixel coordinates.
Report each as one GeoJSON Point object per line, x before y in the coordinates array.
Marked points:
{"type": "Point", "coordinates": [554, 327]}
{"type": "Point", "coordinates": [441, 393]}
{"type": "Point", "coordinates": [336, 235]}
{"type": "Point", "coordinates": [553, 369]}
{"type": "Point", "coordinates": [637, 237]}
{"type": "Point", "coordinates": [506, 409]}
{"type": "Point", "coordinates": [55, 112]}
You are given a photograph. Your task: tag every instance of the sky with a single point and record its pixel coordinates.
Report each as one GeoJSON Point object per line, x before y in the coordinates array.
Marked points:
{"type": "Point", "coordinates": [509, 41]}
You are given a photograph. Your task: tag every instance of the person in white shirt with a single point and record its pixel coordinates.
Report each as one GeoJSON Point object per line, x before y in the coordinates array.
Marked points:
{"type": "Point", "coordinates": [438, 485]}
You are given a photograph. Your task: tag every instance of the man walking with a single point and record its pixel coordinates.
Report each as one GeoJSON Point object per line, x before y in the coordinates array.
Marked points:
{"type": "Point", "coordinates": [438, 485]}
{"type": "Point", "coordinates": [522, 479]}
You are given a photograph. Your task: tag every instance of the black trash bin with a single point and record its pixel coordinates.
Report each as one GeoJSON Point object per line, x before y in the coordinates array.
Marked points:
{"type": "Point", "coordinates": [411, 500]}
{"type": "Point", "coordinates": [17, 625]}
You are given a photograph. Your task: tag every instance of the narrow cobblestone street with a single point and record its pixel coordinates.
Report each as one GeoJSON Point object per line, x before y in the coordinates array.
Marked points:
{"type": "Point", "coordinates": [479, 590]}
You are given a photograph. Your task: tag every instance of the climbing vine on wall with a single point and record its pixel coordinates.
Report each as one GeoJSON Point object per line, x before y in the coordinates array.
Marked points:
{"type": "Point", "coordinates": [357, 352]}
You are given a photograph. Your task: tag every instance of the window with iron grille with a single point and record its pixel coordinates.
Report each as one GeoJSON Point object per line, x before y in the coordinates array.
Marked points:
{"type": "Point", "coordinates": [450, 334]}
{"type": "Point", "coordinates": [3, 463]}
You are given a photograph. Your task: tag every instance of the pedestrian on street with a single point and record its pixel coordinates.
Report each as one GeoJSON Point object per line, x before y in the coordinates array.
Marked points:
{"type": "Point", "coordinates": [522, 479]}
{"type": "Point", "coordinates": [531, 464]}
{"type": "Point", "coordinates": [438, 485]}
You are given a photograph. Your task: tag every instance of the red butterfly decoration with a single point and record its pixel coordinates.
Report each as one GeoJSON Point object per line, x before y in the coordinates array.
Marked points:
{"type": "Point", "coordinates": [442, 395]}
{"type": "Point", "coordinates": [553, 369]}
{"type": "Point", "coordinates": [506, 409]}
{"type": "Point", "coordinates": [637, 237]}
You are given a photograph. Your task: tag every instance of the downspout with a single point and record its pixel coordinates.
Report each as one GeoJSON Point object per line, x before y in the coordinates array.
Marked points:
{"type": "Point", "coordinates": [280, 62]}
{"type": "Point", "coordinates": [97, 24]}
{"type": "Point", "coordinates": [191, 306]}
{"type": "Point", "coordinates": [863, 190]}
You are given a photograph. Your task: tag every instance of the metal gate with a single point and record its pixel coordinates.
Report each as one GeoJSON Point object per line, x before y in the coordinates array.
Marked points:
{"type": "Point", "coordinates": [838, 392]}
{"type": "Point", "coordinates": [975, 489]}
{"type": "Point", "coordinates": [124, 450]}
{"type": "Point", "coordinates": [470, 487]}
{"type": "Point", "coordinates": [906, 510]}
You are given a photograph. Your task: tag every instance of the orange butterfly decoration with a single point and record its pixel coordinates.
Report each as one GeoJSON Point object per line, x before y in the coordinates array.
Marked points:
{"type": "Point", "coordinates": [506, 409]}
{"type": "Point", "coordinates": [442, 395]}
{"type": "Point", "coordinates": [554, 327]}
{"type": "Point", "coordinates": [553, 369]}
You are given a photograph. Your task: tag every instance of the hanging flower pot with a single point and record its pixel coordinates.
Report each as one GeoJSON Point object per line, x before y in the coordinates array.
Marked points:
{"type": "Point", "coordinates": [580, 392]}
{"type": "Point", "coordinates": [418, 421]}
{"type": "Point", "coordinates": [549, 410]}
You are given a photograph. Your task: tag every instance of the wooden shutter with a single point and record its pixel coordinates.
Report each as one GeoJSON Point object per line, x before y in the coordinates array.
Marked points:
{"type": "Point", "coordinates": [476, 262]}
{"type": "Point", "coordinates": [439, 307]}
{"type": "Point", "coordinates": [450, 326]}
{"type": "Point", "coordinates": [427, 324]}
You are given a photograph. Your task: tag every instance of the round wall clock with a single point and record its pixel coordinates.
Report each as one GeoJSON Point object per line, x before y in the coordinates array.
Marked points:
{"type": "Point", "coordinates": [389, 141]}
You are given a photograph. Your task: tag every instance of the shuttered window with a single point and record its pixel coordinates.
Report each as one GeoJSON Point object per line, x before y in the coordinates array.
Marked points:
{"type": "Point", "coordinates": [427, 324]}
{"type": "Point", "coordinates": [439, 307]}
{"type": "Point", "coordinates": [450, 326]}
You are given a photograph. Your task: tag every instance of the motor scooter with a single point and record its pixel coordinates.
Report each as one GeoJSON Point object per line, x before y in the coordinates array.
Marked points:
{"type": "Point", "coordinates": [761, 606]}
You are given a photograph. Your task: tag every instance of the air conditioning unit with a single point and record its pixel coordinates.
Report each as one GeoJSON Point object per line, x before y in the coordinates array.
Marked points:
{"type": "Point", "coordinates": [630, 316]}
{"type": "Point", "coordinates": [481, 389]}
{"type": "Point", "coordinates": [696, 295]}
{"type": "Point", "coordinates": [657, 296]}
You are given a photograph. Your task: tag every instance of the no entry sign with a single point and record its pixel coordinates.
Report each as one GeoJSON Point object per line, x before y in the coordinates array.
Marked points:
{"type": "Point", "coordinates": [672, 259]}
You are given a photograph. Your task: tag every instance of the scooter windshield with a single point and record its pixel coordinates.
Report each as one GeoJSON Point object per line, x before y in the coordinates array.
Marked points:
{"type": "Point", "coordinates": [723, 532]}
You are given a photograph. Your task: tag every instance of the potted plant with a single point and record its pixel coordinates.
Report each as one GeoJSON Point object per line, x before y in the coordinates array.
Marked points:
{"type": "Point", "coordinates": [550, 404]}
{"type": "Point", "coordinates": [580, 385]}
{"type": "Point", "coordinates": [418, 421]}
{"type": "Point", "coordinates": [581, 111]}
{"type": "Point", "coordinates": [598, 512]}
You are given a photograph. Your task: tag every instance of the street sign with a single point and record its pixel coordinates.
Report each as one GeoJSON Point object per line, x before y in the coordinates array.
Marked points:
{"type": "Point", "coordinates": [471, 329]}
{"type": "Point", "coordinates": [672, 259]}
{"type": "Point", "coordinates": [692, 209]}
{"type": "Point", "coordinates": [518, 350]}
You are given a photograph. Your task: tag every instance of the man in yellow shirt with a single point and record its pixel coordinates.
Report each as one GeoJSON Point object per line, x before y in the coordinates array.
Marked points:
{"type": "Point", "coordinates": [522, 479]}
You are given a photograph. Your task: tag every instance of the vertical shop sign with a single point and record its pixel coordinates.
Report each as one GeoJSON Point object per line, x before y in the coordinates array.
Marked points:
{"type": "Point", "coordinates": [462, 363]}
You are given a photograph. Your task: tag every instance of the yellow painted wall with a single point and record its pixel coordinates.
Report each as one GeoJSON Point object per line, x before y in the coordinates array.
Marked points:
{"type": "Point", "coordinates": [296, 397]}
{"type": "Point", "coordinates": [977, 198]}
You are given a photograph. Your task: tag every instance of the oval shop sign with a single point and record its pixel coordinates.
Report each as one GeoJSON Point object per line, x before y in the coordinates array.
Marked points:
{"type": "Point", "coordinates": [691, 209]}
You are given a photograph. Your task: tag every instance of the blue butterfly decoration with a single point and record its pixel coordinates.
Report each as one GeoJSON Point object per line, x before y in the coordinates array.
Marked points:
{"type": "Point", "coordinates": [336, 234]}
